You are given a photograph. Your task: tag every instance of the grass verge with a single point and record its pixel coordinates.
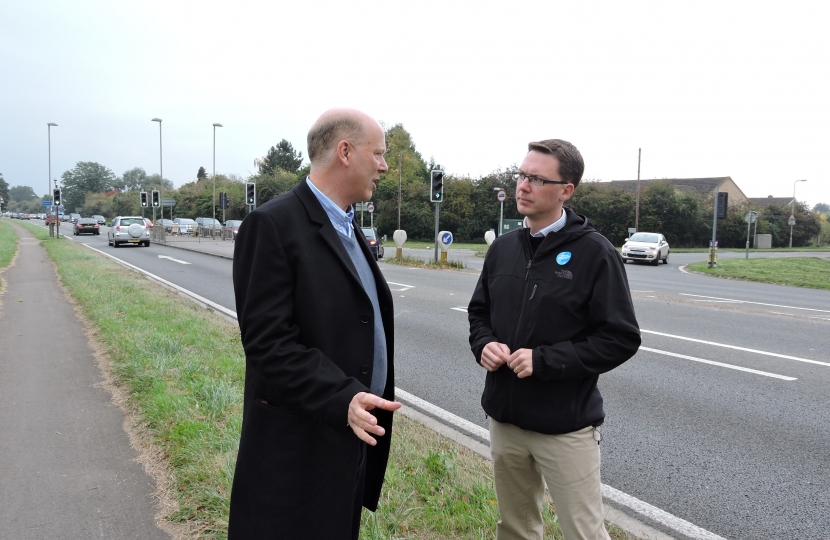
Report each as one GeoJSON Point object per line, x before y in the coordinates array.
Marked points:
{"type": "Point", "coordinates": [420, 263]}
{"type": "Point", "coordinates": [410, 244]}
{"type": "Point", "coordinates": [8, 243]}
{"type": "Point", "coordinates": [182, 370]}
{"type": "Point", "coordinates": [809, 272]}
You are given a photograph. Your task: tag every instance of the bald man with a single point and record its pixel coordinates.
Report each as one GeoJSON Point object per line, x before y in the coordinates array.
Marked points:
{"type": "Point", "coordinates": [316, 320]}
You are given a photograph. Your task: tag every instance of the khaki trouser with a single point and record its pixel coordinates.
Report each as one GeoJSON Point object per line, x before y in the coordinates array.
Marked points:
{"type": "Point", "coordinates": [570, 464]}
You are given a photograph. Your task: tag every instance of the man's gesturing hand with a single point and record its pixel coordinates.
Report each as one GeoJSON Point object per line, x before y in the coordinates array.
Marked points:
{"type": "Point", "coordinates": [361, 421]}
{"type": "Point", "coordinates": [521, 362]}
{"type": "Point", "coordinates": [494, 355]}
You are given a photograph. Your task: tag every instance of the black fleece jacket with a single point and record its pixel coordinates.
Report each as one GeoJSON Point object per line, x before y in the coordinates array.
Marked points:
{"type": "Point", "coordinates": [569, 302]}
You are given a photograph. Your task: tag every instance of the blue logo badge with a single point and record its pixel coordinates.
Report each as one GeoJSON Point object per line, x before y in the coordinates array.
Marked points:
{"type": "Point", "coordinates": [563, 258]}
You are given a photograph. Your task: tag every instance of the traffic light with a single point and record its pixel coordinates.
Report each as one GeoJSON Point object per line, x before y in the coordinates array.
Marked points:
{"type": "Point", "coordinates": [436, 193]}
{"type": "Point", "coordinates": [57, 195]}
{"type": "Point", "coordinates": [223, 200]}
{"type": "Point", "coordinates": [250, 193]}
{"type": "Point", "coordinates": [723, 201]}
{"type": "Point", "coordinates": [156, 201]}
{"type": "Point", "coordinates": [144, 199]}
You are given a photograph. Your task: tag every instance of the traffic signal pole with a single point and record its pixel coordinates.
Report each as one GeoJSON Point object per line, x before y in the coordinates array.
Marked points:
{"type": "Point", "coordinates": [437, 206]}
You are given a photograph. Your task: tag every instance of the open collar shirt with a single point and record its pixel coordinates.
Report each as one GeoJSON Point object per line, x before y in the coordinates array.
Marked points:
{"type": "Point", "coordinates": [556, 226]}
{"type": "Point", "coordinates": [341, 220]}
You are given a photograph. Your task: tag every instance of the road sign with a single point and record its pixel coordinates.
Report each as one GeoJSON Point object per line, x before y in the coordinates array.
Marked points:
{"type": "Point", "coordinates": [360, 206]}
{"type": "Point", "coordinates": [445, 239]}
{"type": "Point", "coordinates": [168, 202]}
{"type": "Point", "coordinates": [791, 221]}
{"type": "Point", "coordinates": [501, 196]}
{"type": "Point", "coordinates": [370, 208]}
{"type": "Point", "coordinates": [751, 217]}
{"type": "Point", "coordinates": [43, 203]}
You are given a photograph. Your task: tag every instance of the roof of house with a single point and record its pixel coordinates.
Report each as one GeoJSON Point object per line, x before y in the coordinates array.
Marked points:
{"type": "Point", "coordinates": [696, 184]}
{"type": "Point", "coordinates": [767, 201]}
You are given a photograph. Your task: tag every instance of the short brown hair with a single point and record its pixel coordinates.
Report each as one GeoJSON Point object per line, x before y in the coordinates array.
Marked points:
{"type": "Point", "coordinates": [571, 165]}
{"type": "Point", "coordinates": [330, 130]}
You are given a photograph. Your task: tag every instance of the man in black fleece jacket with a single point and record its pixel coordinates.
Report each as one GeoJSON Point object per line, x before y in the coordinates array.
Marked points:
{"type": "Point", "coordinates": [551, 312]}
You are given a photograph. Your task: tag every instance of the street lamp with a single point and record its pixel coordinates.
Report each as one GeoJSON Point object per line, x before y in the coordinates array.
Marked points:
{"type": "Point", "coordinates": [49, 181]}
{"type": "Point", "coordinates": [792, 212]}
{"type": "Point", "coordinates": [213, 230]}
{"type": "Point", "coordinates": [161, 182]}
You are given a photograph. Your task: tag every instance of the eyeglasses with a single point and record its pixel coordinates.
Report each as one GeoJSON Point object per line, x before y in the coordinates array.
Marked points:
{"type": "Point", "coordinates": [534, 181]}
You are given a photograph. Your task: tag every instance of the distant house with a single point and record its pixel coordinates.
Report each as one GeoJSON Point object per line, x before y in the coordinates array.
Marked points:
{"type": "Point", "coordinates": [771, 201]}
{"type": "Point", "coordinates": [705, 186]}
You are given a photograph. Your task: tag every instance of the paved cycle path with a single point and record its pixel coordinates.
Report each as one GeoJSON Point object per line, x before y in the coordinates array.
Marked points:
{"type": "Point", "coordinates": [66, 466]}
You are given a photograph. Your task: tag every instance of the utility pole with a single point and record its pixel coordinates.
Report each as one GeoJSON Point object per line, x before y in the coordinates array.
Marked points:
{"type": "Point", "coordinates": [637, 209]}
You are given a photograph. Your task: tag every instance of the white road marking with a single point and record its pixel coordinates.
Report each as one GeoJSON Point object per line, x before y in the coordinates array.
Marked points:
{"type": "Point", "coordinates": [720, 364]}
{"type": "Point", "coordinates": [461, 309]}
{"type": "Point", "coordinates": [735, 347]}
{"type": "Point", "coordinates": [641, 507]}
{"type": "Point", "coordinates": [756, 303]}
{"type": "Point", "coordinates": [172, 259]}
{"type": "Point", "coordinates": [404, 287]}
{"type": "Point", "coordinates": [632, 290]}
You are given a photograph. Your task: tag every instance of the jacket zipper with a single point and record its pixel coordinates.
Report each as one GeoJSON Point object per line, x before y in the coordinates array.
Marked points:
{"type": "Point", "coordinates": [522, 308]}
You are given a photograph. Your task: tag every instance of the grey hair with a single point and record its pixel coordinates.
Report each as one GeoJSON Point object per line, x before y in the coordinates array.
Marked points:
{"type": "Point", "coordinates": [327, 132]}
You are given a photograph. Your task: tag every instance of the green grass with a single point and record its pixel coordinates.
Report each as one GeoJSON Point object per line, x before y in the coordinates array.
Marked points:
{"type": "Point", "coordinates": [809, 272]}
{"type": "Point", "coordinates": [415, 262]}
{"type": "Point", "coordinates": [183, 371]}
{"type": "Point", "coordinates": [431, 245]}
{"type": "Point", "coordinates": [8, 243]}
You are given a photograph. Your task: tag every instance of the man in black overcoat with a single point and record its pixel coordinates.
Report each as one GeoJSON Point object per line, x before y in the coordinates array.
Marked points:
{"type": "Point", "coordinates": [316, 320]}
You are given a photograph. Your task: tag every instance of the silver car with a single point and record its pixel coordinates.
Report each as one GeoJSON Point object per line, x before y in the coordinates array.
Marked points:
{"type": "Point", "coordinates": [646, 246]}
{"type": "Point", "coordinates": [128, 230]}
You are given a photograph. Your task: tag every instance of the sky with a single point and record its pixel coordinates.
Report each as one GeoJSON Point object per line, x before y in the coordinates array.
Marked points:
{"type": "Point", "coordinates": [705, 88]}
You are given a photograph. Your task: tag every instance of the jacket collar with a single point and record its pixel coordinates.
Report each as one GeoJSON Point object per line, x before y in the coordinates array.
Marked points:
{"type": "Point", "coordinates": [317, 215]}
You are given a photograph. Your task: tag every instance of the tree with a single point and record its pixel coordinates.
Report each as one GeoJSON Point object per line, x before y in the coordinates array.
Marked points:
{"type": "Point", "coordinates": [85, 177]}
{"type": "Point", "coordinates": [283, 156]}
{"type": "Point", "coordinates": [154, 181]}
{"type": "Point", "coordinates": [22, 193]}
{"type": "Point", "coordinates": [4, 192]}
{"type": "Point", "coordinates": [822, 208]}
{"type": "Point", "coordinates": [135, 178]}
{"type": "Point", "coordinates": [201, 174]}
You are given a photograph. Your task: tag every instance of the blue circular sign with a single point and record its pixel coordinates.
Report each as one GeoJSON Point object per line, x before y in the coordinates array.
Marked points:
{"type": "Point", "coordinates": [563, 258]}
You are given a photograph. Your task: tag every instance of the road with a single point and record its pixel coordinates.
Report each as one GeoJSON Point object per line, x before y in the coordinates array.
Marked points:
{"type": "Point", "coordinates": [721, 419]}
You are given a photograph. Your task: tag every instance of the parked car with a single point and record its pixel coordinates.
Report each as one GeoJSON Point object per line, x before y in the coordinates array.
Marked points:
{"type": "Point", "coordinates": [231, 228]}
{"type": "Point", "coordinates": [186, 225]}
{"type": "Point", "coordinates": [646, 246]}
{"type": "Point", "coordinates": [101, 220]}
{"type": "Point", "coordinates": [166, 223]}
{"type": "Point", "coordinates": [375, 242]}
{"type": "Point", "coordinates": [128, 230]}
{"type": "Point", "coordinates": [86, 225]}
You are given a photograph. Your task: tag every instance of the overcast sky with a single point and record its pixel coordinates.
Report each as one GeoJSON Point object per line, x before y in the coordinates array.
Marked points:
{"type": "Point", "coordinates": [720, 88]}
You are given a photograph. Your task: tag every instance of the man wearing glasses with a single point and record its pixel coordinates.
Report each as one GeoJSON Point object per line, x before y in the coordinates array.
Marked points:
{"type": "Point", "coordinates": [551, 312]}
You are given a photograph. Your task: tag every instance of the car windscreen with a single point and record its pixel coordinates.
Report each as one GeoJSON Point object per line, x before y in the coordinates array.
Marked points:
{"type": "Point", "coordinates": [368, 233]}
{"type": "Point", "coordinates": [233, 223]}
{"type": "Point", "coordinates": [185, 221]}
{"type": "Point", "coordinates": [87, 220]}
{"type": "Point", "coordinates": [644, 237]}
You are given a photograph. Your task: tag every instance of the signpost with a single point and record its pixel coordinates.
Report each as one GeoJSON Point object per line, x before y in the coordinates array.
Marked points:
{"type": "Point", "coordinates": [501, 196]}
{"type": "Point", "coordinates": [750, 218]}
{"type": "Point", "coordinates": [791, 222]}
{"type": "Point", "coordinates": [42, 203]}
{"type": "Point", "coordinates": [370, 207]}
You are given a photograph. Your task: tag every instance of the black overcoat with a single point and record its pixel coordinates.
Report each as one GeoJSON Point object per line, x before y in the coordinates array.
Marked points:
{"type": "Point", "coordinates": [308, 333]}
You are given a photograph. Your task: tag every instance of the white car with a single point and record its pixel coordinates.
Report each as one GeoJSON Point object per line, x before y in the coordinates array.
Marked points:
{"type": "Point", "coordinates": [128, 230]}
{"type": "Point", "coordinates": [646, 246]}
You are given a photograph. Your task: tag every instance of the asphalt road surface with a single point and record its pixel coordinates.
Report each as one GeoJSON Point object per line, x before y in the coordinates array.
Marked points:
{"type": "Point", "coordinates": [721, 418]}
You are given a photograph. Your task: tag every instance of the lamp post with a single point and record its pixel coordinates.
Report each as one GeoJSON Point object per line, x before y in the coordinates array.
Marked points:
{"type": "Point", "coordinates": [213, 225]}
{"type": "Point", "coordinates": [49, 182]}
{"type": "Point", "coordinates": [161, 182]}
{"type": "Point", "coordinates": [792, 212]}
